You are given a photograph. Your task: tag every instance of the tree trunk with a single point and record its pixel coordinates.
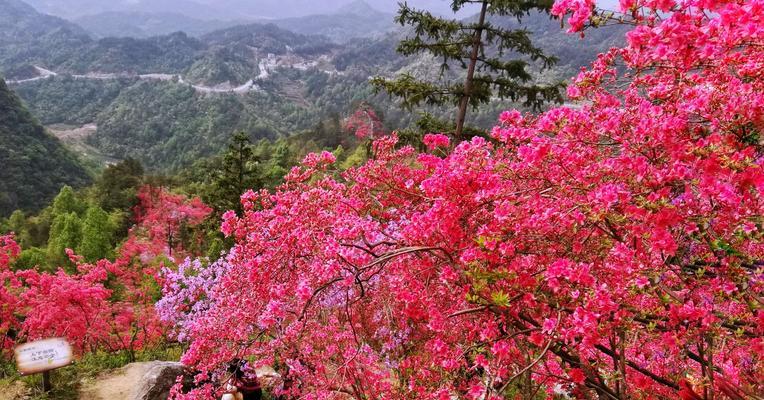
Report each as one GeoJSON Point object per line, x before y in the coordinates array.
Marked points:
{"type": "Point", "coordinates": [465, 100]}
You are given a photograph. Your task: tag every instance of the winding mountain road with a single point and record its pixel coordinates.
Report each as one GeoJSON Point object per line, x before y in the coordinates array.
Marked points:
{"type": "Point", "coordinates": [222, 88]}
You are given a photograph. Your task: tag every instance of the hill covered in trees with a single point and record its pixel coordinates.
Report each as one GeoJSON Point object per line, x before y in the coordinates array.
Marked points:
{"type": "Point", "coordinates": [261, 79]}
{"type": "Point", "coordinates": [35, 165]}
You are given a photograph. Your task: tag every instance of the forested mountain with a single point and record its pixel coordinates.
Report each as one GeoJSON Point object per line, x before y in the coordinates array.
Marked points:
{"type": "Point", "coordinates": [34, 164]}
{"type": "Point", "coordinates": [143, 24]}
{"type": "Point", "coordinates": [354, 20]}
{"type": "Point", "coordinates": [168, 100]}
{"type": "Point", "coordinates": [28, 37]}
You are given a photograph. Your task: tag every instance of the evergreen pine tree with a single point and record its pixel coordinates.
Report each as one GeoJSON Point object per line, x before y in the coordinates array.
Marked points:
{"type": "Point", "coordinates": [65, 233]}
{"type": "Point", "coordinates": [117, 187]}
{"type": "Point", "coordinates": [237, 174]}
{"type": "Point", "coordinates": [97, 235]}
{"type": "Point", "coordinates": [481, 48]}
{"type": "Point", "coordinates": [67, 202]}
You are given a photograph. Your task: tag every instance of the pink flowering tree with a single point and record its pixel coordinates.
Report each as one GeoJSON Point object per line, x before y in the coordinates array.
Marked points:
{"type": "Point", "coordinates": [365, 123]}
{"type": "Point", "coordinates": [161, 217]}
{"type": "Point", "coordinates": [610, 251]}
{"type": "Point", "coordinates": [9, 302]}
{"type": "Point", "coordinates": [107, 305]}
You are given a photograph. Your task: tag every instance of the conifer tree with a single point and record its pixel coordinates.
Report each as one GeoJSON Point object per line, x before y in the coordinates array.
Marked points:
{"type": "Point", "coordinates": [238, 173]}
{"type": "Point", "coordinates": [482, 49]}
{"type": "Point", "coordinates": [117, 187]}
{"type": "Point", "coordinates": [67, 202]}
{"type": "Point", "coordinates": [65, 233]}
{"type": "Point", "coordinates": [97, 235]}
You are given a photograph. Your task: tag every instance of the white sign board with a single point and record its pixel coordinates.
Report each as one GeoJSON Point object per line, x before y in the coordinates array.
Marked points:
{"type": "Point", "coordinates": [43, 355]}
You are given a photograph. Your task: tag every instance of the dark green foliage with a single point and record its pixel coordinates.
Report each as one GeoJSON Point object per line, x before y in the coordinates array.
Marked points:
{"type": "Point", "coordinates": [118, 185]}
{"type": "Point", "coordinates": [16, 222]}
{"type": "Point", "coordinates": [30, 231]}
{"type": "Point", "coordinates": [168, 126]}
{"type": "Point", "coordinates": [115, 191]}
{"type": "Point", "coordinates": [482, 49]}
{"type": "Point", "coordinates": [220, 66]}
{"type": "Point", "coordinates": [238, 172]}
{"type": "Point", "coordinates": [34, 164]}
{"type": "Point", "coordinates": [167, 54]}
{"type": "Point", "coordinates": [28, 37]}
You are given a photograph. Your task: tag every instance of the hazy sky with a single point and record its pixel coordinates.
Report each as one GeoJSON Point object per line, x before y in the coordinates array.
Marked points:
{"type": "Point", "coordinates": [234, 9]}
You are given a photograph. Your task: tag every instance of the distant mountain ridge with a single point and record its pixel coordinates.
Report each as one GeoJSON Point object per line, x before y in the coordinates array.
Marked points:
{"type": "Point", "coordinates": [356, 19]}
{"type": "Point", "coordinates": [224, 9]}
{"type": "Point", "coordinates": [64, 47]}
{"type": "Point", "coordinates": [142, 25]}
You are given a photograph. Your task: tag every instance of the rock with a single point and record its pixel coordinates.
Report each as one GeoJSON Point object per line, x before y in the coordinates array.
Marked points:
{"type": "Point", "coordinates": [158, 380]}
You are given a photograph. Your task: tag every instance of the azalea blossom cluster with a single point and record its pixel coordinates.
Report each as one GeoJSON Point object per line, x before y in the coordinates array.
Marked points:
{"type": "Point", "coordinates": [188, 293]}
{"type": "Point", "coordinates": [611, 250]}
{"type": "Point", "coordinates": [107, 305]}
{"type": "Point", "coordinates": [364, 123]}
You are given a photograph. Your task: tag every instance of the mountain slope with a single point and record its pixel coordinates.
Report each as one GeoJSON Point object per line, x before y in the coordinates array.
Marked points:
{"type": "Point", "coordinates": [34, 164]}
{"type": "Point", "coordinates": [27, 36]}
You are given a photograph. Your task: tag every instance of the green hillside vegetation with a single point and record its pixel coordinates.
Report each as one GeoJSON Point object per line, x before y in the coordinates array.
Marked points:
{"type": "Point", "coordinates": [220, 66]}
{"type": "Point", "coordinates": [34, 164]}
{"type": "Point", "coordinates": [65, 100]}
{"type": "Point", "coordinates": [166, 54]}
{"type": "Point", "coordinates": [268, 38]}
{"type": "Point", "coordinates": [168, 126]}
{"type": "Point", "coordinates": [28, 37]}
{"type": "Point", "coordinates": [94, 219]}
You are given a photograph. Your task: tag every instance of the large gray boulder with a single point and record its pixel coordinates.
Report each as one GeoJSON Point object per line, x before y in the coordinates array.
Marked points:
{"type": "Point", "coordinates": [159, 378]}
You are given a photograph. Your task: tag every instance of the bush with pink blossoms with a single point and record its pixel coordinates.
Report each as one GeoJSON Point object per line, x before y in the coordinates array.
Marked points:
{"type": "Point", "coordinates": [612, 250]}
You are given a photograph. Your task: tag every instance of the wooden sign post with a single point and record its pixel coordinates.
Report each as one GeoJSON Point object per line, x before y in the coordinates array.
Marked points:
{"type": "Point", "coordinates": [43, 356]}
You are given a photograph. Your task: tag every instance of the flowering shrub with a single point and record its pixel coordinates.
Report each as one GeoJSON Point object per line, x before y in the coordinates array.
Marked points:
{"type": "Point", "coordinates": [9, 303]}
{"type": "Point", "coordinates": [105, 305]}
{"type": "Point", "coordinates": [161, 217]}
{"type": "Point", "coordinates": [611, 250]}
{"type": "Point", "coordinates": [188, 293]}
